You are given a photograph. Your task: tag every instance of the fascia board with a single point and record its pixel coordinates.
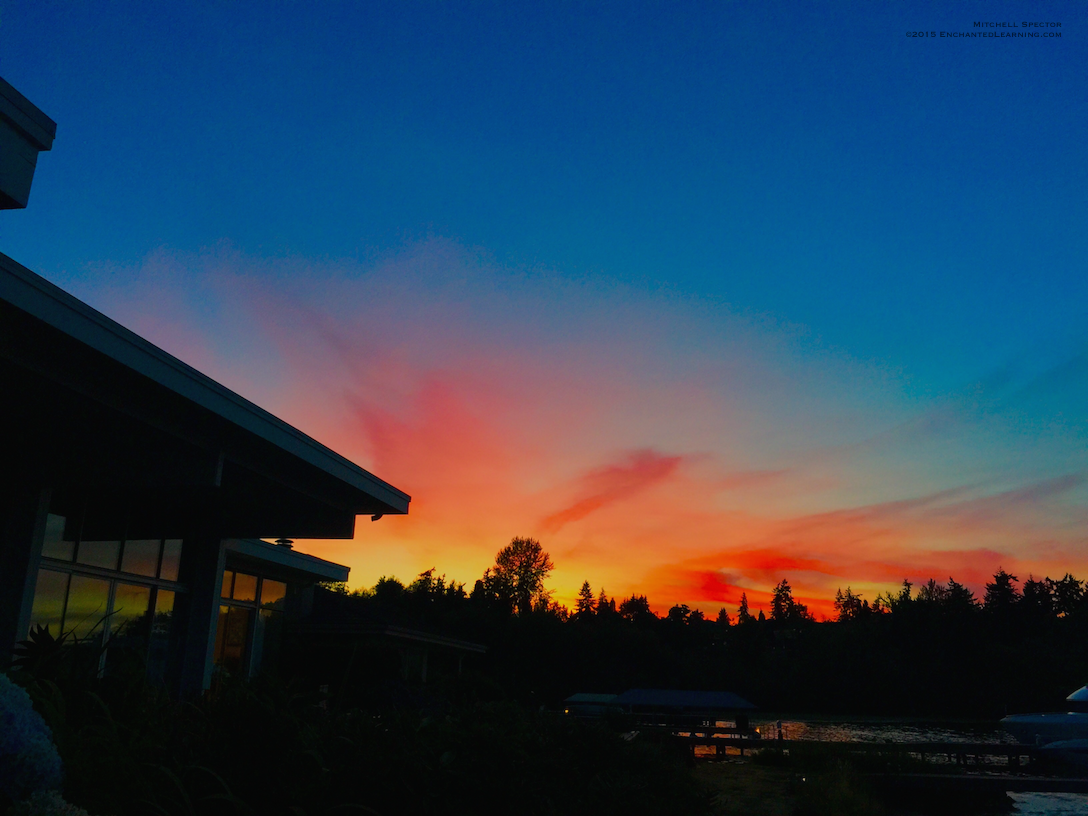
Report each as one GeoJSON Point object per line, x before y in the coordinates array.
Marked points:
{"type": "Point", "coordinates": [313, 567]}
{"type": "Point", "coordinates": [40, 130]}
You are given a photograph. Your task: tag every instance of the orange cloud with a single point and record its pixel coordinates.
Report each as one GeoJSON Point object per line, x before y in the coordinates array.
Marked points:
{"type": "Point", "coordinates": [613, 483]}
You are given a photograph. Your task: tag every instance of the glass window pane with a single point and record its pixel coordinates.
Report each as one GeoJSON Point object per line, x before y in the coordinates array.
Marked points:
{"type": "Point", "coordinates": [87, 601]}
{"type": "Point", "coordinates": [130, 627]}
{"type": "Point", "coordinates": [245, 587]}
{"type": "Point", "coordinates": [272, 594]}
{"type": "Point", "coordinates": [266, 641]}
{"type": "Point", "coordinates": [220, 634]}
{"type": "Point", "coordinates": [160, 635]}
{"type": "Point", "coordinates": [171, 559]}
{"type": "Point", "coordinates": [230, 637]}
{"type": "Point", "coordinates": [228, 578]}
{"type": "Point", "coordinates": [54, 545]}
{"type": "Point", "coordinates": [141, 557]}
{"type": "Point", "coordinates": [99, 553]}
{"type": "Point", "coordinates": [49, 594]}
{"type": "Point", "coordinates": [131, 604]}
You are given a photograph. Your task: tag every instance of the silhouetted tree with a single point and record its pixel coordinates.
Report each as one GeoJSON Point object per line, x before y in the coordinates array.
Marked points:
{"type": "Point", "coordinates": [679, 614]}
{"type": "Point", "coordinates": [1068, 594]}
{"type": "Point", "coordinates": [932, 594]}
{"type": "Point", "coordinates": [959, 598]}
{"type": "Point", "coordinates": [743, 615]}
{"type": "Point", "coordinates": [898, 602]}
{"type": "Point", "coordinates": [388, 590]}
{"type": "Point", "coordinates": [519, 572]}
{"type": "Point", "coordinates": [605, 606]}
{"type": "Point", "coordinates": [783, 606]}
{"type": "Point", "coordinates": [585, 605]}
{"type": "Point", "coordinates": [1002, 594]}
{"type": "Point", "coordinates": [637, 610]}
{"type": "Point", "coordinates": [1036, 599]}
{"type": "Point", "coordinates": [850, 606]}
{"type": "Point", "coordinates": [723, 618]}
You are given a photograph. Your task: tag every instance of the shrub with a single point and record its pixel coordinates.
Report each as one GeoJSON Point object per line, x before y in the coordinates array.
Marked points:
{"type": "Point", "coordinates": [29, 761]}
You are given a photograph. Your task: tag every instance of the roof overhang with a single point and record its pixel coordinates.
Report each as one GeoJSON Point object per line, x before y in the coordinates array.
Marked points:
{"type": "Point", "coordinates": [103, 409]}
{"type": "Point", "coordinates": [24, 132]}
{"type": "Point", "coordinates": [282, 563]}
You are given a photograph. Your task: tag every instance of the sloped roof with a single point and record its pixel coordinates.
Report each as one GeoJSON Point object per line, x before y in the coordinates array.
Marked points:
{"type": "Point", "coordinates": [594, 699]}
{"type": "Point", "coordinates": [56, 336]}
{"type": "Point", "coordinates": [680, 699]}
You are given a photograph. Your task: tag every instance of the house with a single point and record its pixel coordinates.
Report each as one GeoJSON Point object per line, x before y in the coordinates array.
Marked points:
{"type": "Point", "coordinates": [348, 646]}
{"type": "Point", "coordinates": [136, 491]}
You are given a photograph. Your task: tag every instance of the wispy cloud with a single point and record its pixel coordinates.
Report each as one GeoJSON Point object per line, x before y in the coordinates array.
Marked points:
{"type": "Point", "coordinates": [613, 483]}
{"type": "Point", "coordinates": [656, 445]}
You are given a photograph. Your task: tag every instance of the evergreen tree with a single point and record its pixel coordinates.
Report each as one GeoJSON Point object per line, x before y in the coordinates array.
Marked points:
{"type": "Point", "coordinates": [959, 598]}
{"type": "Point", "coordinates": [743, 615]}
{"type": "Point", "coordinates": [636, 609]}
{"type": "Point", "coordinates": [1002, 594]}
{"type": "Point", "coordinates": [1036, 599]}
{"type": "Point", "coordinates": [1068, 593]}
{"type": "Point", "coordinates": [849, 606]}
{"type": "Point", "coordinates": [784, 607]}
{"type": "Point", "coordinates": [586, 605]}
{"type": "Point", "coordinates": [605, 605]}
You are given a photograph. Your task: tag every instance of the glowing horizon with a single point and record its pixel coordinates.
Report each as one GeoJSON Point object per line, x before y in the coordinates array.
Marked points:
{"type": "Point", "coordinates": [691, 454]}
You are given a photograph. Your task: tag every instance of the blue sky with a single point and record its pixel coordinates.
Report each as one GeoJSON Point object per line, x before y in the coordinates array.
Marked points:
{"type": "Point", "coordinates": [897, 221]}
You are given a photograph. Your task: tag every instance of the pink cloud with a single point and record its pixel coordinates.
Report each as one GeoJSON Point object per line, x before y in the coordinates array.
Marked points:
{"type": "Point", "coordinates": [613, 483]}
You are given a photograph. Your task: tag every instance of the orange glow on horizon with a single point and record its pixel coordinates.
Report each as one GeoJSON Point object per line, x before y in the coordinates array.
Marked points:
{"type": "Point", "coordinates": [599, 424]}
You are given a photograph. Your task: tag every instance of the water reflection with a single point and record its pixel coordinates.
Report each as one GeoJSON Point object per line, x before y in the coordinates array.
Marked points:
{"type": "Point", "coordinates": [885, 732]}
{"type": "Point", "coordinates": [1027, 804]}
{"type": "Point", "coordinates": [1050, 804]}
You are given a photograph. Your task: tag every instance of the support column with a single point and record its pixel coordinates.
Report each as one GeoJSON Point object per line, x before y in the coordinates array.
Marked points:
{"type": "Point", "coordinates": [203, 559]}
{"type": "Point", "coordinates": [22, 529]}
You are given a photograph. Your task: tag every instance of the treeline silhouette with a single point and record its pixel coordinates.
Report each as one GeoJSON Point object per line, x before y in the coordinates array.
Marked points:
{"type": "Point", "coordinates": [935, 650]}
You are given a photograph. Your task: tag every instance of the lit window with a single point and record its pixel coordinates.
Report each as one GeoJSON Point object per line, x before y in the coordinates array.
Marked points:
{"type": "Point", "coordinates": [272, 594]}
{"type": "Point", "coordinates": [245, 587]}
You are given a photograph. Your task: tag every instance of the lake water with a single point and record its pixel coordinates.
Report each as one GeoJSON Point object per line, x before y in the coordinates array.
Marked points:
{"type": "Point", "coordinates": [1026, 804]}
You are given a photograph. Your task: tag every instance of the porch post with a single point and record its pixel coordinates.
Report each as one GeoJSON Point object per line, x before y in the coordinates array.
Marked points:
{"type": "Point", "coordinates": [22, 529]}
{"type": "Point", "coordinates": [202, 562]}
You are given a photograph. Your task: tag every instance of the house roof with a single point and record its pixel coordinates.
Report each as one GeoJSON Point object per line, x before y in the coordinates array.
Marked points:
{"type": "Point", "coordinates": [256, 465]}
{"type": "Point", "coordinates": [593, 699]}
{"type": "Point", "coordinates": [34, 125]}
{"type": "Point", "coordinates": [24, 132]}
{"type": "Point", "coordinates": [680, 699]}
{"type": "Point", "coordinates": [283, 563]}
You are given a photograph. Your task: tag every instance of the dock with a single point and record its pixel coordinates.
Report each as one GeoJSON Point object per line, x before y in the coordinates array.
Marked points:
{"type": "Point", "coordinates": [981, 769]}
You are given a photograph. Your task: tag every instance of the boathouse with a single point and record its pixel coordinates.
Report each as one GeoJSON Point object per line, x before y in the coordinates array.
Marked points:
{"type": "Point", "coordinates": [680, 708]}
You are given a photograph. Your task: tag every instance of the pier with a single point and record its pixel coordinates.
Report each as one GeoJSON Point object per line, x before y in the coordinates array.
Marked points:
{"type": "Point", "coordinates": [978, 769]}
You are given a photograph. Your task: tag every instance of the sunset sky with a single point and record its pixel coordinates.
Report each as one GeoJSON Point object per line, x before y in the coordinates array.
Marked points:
{"type": "Point", "coordinates": [701, 295]}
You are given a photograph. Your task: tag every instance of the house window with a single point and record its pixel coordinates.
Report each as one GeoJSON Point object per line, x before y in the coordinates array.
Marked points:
{"type": "Point", "coordinates": [113, 594]}
{"type": "Point", "coordinates": [250, 620]}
